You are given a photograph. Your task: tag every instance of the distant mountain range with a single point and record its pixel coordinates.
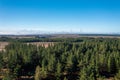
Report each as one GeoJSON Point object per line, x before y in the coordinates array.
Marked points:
{"type": "Point", "coordinates": [39, 32]}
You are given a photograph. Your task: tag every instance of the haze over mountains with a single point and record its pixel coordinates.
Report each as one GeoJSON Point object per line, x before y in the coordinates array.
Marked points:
{"type": "Point", "coordinates": [27, 32]}
{"type": "Point", "coordinates": [20, 32]}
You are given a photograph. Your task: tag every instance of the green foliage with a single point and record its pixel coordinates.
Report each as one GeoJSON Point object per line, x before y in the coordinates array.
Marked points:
{"type": "Point", "coordinates": [17, 70]}
{"type": "Point", "coordinates": [7, 76]}
{"type": "Point", "coordinates": [58, 71]}
{"type": "Point", "coordinates": [83, 58]}
{"type": "Point", "coordinates": [1, 60]}
{"type": "Point", "coordinates": [117, 77]}
{"type": "Point", "coordinates": [38, 73]}
{"type": "Point", "coordinates": [65, 78]}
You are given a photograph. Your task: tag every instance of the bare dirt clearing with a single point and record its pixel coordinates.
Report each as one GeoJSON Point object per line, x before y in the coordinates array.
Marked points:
{"type": "Point", "coordinates": [45, 44]}
{"type": "Point", "coordinates": [2, 45]}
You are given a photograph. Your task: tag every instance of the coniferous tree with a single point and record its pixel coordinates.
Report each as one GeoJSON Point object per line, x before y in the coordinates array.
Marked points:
{"type": "Point", "coordinates": [38, 73]}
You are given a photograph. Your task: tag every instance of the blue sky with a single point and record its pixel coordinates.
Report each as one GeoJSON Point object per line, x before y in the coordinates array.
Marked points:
{"type": "Point", "coordinates": [85, 16]}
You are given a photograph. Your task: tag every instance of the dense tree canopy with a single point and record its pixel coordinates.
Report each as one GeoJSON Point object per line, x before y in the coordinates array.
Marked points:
{"type": "Point", "coordinates": [89, 59]}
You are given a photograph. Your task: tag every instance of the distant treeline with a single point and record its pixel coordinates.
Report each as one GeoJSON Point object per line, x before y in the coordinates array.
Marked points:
{"type": "Point", "coordinates": [40, 39]}
{"type": "Point", "coordinates": [36, 39]}
{"type": "Point", "coordinates": [113, 35]}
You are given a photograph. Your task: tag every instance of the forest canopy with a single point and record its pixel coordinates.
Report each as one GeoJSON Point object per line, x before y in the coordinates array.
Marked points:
{"type": "Point", "coordinates": [68, 59]}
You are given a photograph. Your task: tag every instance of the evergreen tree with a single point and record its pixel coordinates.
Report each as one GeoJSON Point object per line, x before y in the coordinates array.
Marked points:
{"type": "Point", "coordinates": [38, 73]}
